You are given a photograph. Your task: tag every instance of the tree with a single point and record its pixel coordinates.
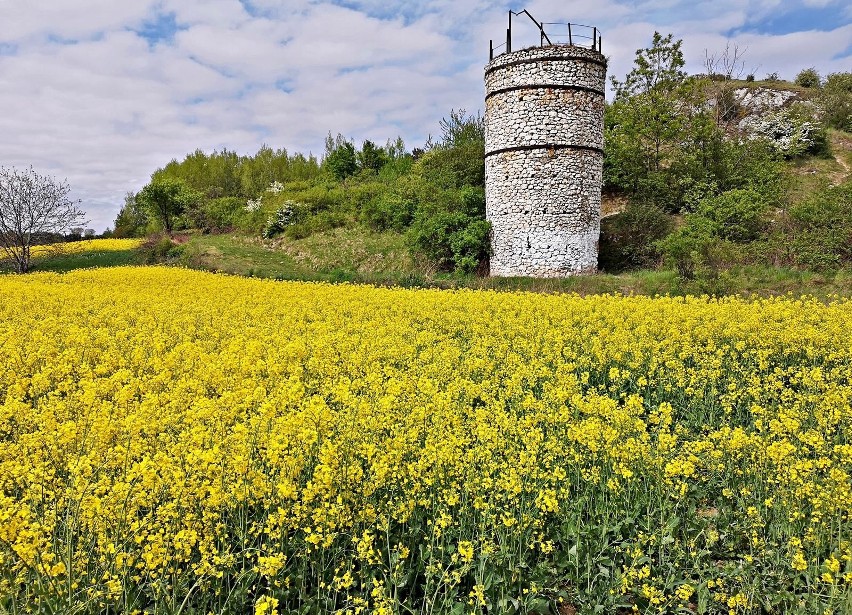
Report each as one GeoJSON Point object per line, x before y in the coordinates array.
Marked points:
{"type": "Point", "coordinates": [32, 205]}
{"type": "Point", "coordinates": [370, 157]}
{"type": "Point", "coordinates": [131, 220]}
{"type": "Point", "coordinates": [340, 157]}
{"type": "Point", "coordinates": [165, 199]}
{"type": "Point", "coordinates": [659, 138]}
{"type": "Point", "coordinates": [656, 69]}
{"type": "Point", "coordinates": [723, 71]}
{"type": "Point", "coordinates": [461, 129]}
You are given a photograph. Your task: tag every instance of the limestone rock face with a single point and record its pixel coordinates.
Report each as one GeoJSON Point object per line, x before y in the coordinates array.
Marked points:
{"type": "Point", "coordinates": [544, 160]}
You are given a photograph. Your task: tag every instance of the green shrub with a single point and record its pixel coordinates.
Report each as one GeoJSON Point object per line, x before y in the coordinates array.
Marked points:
{"type": "Point", "coordinates": [629, 239]}
{"type": "Point", "coordinates": [361, 194]}
{"type": "Point", "coordinates": [836, 101]}
{"type": "Point", "coordinates": [819, 232]}
{"type": "Point", "coordinates": [388, 212]}
{"type": "Point", "coordinates": [451, 239]}
{"type": "Point", "coordinates": [315, 223]}
{"type": "Point", "coordinates": [224, 213]}
{"type": "Point", "coordinates": [808, 78]}
{"type": "Point", "coordinates": [738, 215]}
{"type": "Point", "coordinates": [752, 165]}
{"type": "Point", "coordinates": [159, 248]}
{"type": "Point", "coordinates": [282, 218]}
{"type": "Point", "coordinates": [470, 245]}
{"type": "Point", "coordinates": [454, 166]}
{"type": "Point", "coordinates": [690, 250]}
{"type": "Point", "coordinates": [820, 249]}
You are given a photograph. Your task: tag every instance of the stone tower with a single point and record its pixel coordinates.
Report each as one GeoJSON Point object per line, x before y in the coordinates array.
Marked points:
{"type": "Point", "coordinates": [544, 111]}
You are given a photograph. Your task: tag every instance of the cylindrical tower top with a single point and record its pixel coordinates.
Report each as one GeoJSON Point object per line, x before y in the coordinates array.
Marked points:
{"type": "Point", "coordinates": [559, 89]}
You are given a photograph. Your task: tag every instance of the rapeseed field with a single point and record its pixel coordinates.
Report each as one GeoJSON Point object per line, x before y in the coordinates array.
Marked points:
{"type": "Point", "coordinates": [86, 245]}
{"type": "Point", "coordinates": [183, 442]}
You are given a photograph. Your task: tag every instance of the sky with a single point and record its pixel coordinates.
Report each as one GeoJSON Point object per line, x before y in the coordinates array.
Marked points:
{"type": "Point", "coordinates": [103, 92]}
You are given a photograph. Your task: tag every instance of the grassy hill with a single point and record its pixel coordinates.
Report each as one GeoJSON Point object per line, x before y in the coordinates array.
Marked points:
{"type": "Point", "coordinates": [355, 253]}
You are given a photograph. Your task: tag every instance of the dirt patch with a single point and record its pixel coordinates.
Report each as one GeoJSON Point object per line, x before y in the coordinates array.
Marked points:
{"type": "Point", "coordinates": [841, 146]}
{"type": "Point", "coordinates": [612, 205]}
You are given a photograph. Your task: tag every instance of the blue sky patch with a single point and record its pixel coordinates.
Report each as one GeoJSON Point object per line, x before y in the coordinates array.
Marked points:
{"type": "Point", "coordinates": [160, 29]}
{"type": "Point", "coordinates": [800, 19]}
{"type": "Point", "coordinates": [409, 12]}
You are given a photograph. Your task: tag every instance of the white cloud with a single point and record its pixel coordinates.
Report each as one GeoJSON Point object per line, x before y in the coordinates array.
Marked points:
{"type": "Point", "coordinates": [84, 96]}
{"type": "Point", "coordinates": [69, 20]}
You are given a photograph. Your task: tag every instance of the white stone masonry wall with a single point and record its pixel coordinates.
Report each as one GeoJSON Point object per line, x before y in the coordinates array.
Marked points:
{"type": "Point", "coordinates": [544, 160]}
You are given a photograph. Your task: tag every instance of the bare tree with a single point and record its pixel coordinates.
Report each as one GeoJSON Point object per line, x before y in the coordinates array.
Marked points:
{"type": "Point", "coordinates": [723, 71]}
{"type": "Point", "coordinates": [32, 205]}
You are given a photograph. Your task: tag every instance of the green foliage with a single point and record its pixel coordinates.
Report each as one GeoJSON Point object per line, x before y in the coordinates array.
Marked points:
{"type": "Point", "coordinates": [692, 249]}
{"type": "Point", "coordinates": [459, 159]}
{"type": "Point", "coordinates": [371, 158]}
{"type": "Point", "coordinates": [451, 239]}
{"type": "Point", "coordinates": [319, 222]}
{"type": "Point", "coordinates": [659, 138]}
{"type": "Point", "coordinates": [132, 219]}
{"type": "Point", "coordinates": [708, 238]}
{"type": "Point", "coordinates": [665, 146]}
{"type": "Point", "coordinates": [159, 248]}
{"type": "Point", "coordinates": [389, 211]}
{"type": "Point", "coordinates": [227, 174]}
{"type": "Point", "coordinates": [818, 235]}
{"type": "Point", "coordinates": [340, 159]}
{"type": "Point", "coordinates": [751, 165]}
{"type": "Point", "coordinates": [836, 100]}
{"type": "Point", "coordinates": [656, 69]}
{"type": "Point", "coordinates": [223, 213]}
{"type": "Point", "coordinates": [263, 169]}
{"type": "Point", "coordinates": [165, 200]}
{"type": "Point", "coordinates": [460, 129]}
{"type": "Point", "coordinates": [808, 78]}
{"type": "Point", "coordinates": [738, 215]}
{"type": "Point", "coordinates": [286, 215]}
{"type": "Point", "coordinates": [628, 239]}
{"type": "Point", "coordinates": [450, 167]}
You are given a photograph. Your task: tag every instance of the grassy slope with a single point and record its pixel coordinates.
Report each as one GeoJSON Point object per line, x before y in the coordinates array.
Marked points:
{"type": "Point", "coordinates": [348, 253]}
{"type": "Point", "coordinates": [357, 255]}
{"type": "Point", "coordinates": [62, 263]}
{"type": "Point", "coordinates": [353, 254]}
{"type": "Point", "coordinates": [811, 175]}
